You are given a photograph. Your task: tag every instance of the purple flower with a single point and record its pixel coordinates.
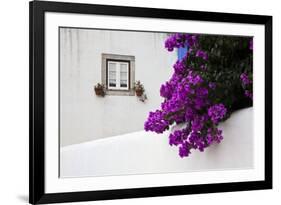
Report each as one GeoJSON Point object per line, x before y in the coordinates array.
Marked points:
{"type": "Point", "coordinates": [249, 94]}
{"type": "Point", "coordinates": [202, 92]}
{"type": "Point", "coordinates": [209, 139]}
{"type": "Point", "coordinates": [189, 114]}
{"type": "Point", "coordinates": [212, 85]}
{"type": "Point", "coordinates": [245, 79]}
{"type": "Point", "coordinates": [200, 103]}
{"type": "Point", "coordinates": [202, 54]}
{"type": "Point", "coordinates": [218, 135]}
{"type": "Point", "coordinates": [197, 141]}
{"type": "Point", "coordinates": [197, 124]}
{"type": "Point", "coordinates": [247, 85]}
{"type": "Point", "coordinates": [166, 90]}
{"type": "Point", "coordinates": [184, 150]}
{"type": "Point", "coordinates": [179, 67]}
{"type": "Point", "coordinates": [178, 40]}
{"type": "Point", "coordinates": [214, 135]}
{"type": "Point", "coordinates": [178, 137]}
{"type": "Point", "coordinates": [175, 41]}
{"type": "Point", "coordinates": [156, 122]}
{"type": "Point", "coordinates": [203, 67]}
{"type": "Point", "coordinates": [192, 40]}
{"type": "Point", "coordinates": [217, 112]}
{"type": "Point", "coordinates": [251, 44]}
{"type": "Point", "coordinates": [194, 79]}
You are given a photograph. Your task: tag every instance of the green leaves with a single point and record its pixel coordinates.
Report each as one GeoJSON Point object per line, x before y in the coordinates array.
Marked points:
{"type": "Point", "coordinates": [229, 56]}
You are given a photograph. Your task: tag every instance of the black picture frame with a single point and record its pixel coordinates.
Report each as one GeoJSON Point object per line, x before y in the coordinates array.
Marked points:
{"type": "Point", "coordinates": [37, 9]}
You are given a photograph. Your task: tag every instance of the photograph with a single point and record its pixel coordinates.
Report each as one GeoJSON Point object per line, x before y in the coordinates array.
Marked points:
{"type": "Point", "coordinates": [143, 102]}
{"type": "Point", "coordinates": [130, 102]}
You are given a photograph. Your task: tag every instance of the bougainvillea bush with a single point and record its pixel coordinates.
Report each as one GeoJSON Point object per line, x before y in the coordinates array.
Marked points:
{"type": "Point", "coordinates": [208, 84]}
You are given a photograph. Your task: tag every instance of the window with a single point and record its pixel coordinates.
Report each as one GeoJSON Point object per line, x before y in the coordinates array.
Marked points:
{"type": "Point", "coordinates": [182, 52]}
{"type": "Point", "coordinates": [118, 74]}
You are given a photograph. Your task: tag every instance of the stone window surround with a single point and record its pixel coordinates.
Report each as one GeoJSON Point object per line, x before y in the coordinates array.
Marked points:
{"type": "Point", "coordinates": [131, 59]}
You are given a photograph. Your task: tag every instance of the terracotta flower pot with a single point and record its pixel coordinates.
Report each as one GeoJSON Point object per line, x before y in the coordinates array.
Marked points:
{"type": "Point", "coordinates": [139, 92]}
{"type": "Point", "coordinates": [99, 92]}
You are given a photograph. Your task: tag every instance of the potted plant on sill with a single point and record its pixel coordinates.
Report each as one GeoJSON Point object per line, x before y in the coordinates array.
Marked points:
{"type": "Point", "coordinates": [100, 90]}
{"type": "Point", "coordinates": [139, 89]}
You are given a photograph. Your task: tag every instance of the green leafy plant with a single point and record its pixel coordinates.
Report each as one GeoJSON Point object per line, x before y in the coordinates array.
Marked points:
{"type": "Point", "coordinates": [139, 88]}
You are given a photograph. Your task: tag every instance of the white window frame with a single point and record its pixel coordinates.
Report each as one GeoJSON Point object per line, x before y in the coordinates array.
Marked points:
{"type": "Point", "coordinates": [105, 57]}
{"type": "Point", "coordinates": [118, 73]}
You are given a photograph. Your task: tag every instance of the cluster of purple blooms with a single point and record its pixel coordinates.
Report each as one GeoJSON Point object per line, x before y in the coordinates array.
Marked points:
{"type": "Point", "coordinates": [247, 85]}
{"type": "Point", "coordinates": [180, 40]}
{"type": "Point", "coordinates": [202, 54]}
{"type": "Point", "coordinates": [217, 112]}
{"type": "Point", "coordinates": [186, 100]}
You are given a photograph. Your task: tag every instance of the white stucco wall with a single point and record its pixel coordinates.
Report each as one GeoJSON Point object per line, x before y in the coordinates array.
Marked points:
{"type": "Point", "coordinates": [146, 152]}
{"type": "Point", "coordinates": [83, 115]}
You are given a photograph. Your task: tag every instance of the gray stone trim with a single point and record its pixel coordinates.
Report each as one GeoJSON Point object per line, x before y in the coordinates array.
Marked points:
{"type": "Point", "coordinates": [129, 92]}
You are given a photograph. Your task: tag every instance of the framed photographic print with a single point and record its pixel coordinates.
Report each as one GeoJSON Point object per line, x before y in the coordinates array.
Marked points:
{"type": "Point", "coordinates": [141, 102]}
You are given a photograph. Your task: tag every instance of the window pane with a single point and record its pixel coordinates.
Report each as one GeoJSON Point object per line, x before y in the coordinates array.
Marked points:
{"type": "Point", "coordinates": [123, 67]}
{"type": "Point", "coordinates": [112, 74]}
{"type": "Point", "coordinates": [111, 67]}
{"type": "Point", "coordinates": [123, 75]}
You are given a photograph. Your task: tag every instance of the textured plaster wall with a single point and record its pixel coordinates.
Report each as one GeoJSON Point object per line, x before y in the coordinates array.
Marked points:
{"type": "Point", "coordinates": [83, 115]}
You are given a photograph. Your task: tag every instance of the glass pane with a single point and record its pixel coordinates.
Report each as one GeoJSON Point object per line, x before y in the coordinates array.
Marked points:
{"type": "Point", "coordinates": [123, 83]}
{"type": "Point", "coordinates": [123, 75]}
{"type": "Point", "coordinates": [112, 74]}
{"type": "Point", "coordinates": [111, 67]}
{"type": "Point", "coordinates": [123, 67]}
{"type": "Point", "coordinates": [112, 84]}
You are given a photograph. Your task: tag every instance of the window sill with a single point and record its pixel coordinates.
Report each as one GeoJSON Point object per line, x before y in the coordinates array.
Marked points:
{"type": "Point", "coordinates": [120, 92]}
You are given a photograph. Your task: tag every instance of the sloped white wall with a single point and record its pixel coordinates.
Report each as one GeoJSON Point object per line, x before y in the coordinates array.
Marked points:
{"type": "Point", "coordinates": [83, 115]}
{"type": "Point", "coordinates": [145, 152]}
